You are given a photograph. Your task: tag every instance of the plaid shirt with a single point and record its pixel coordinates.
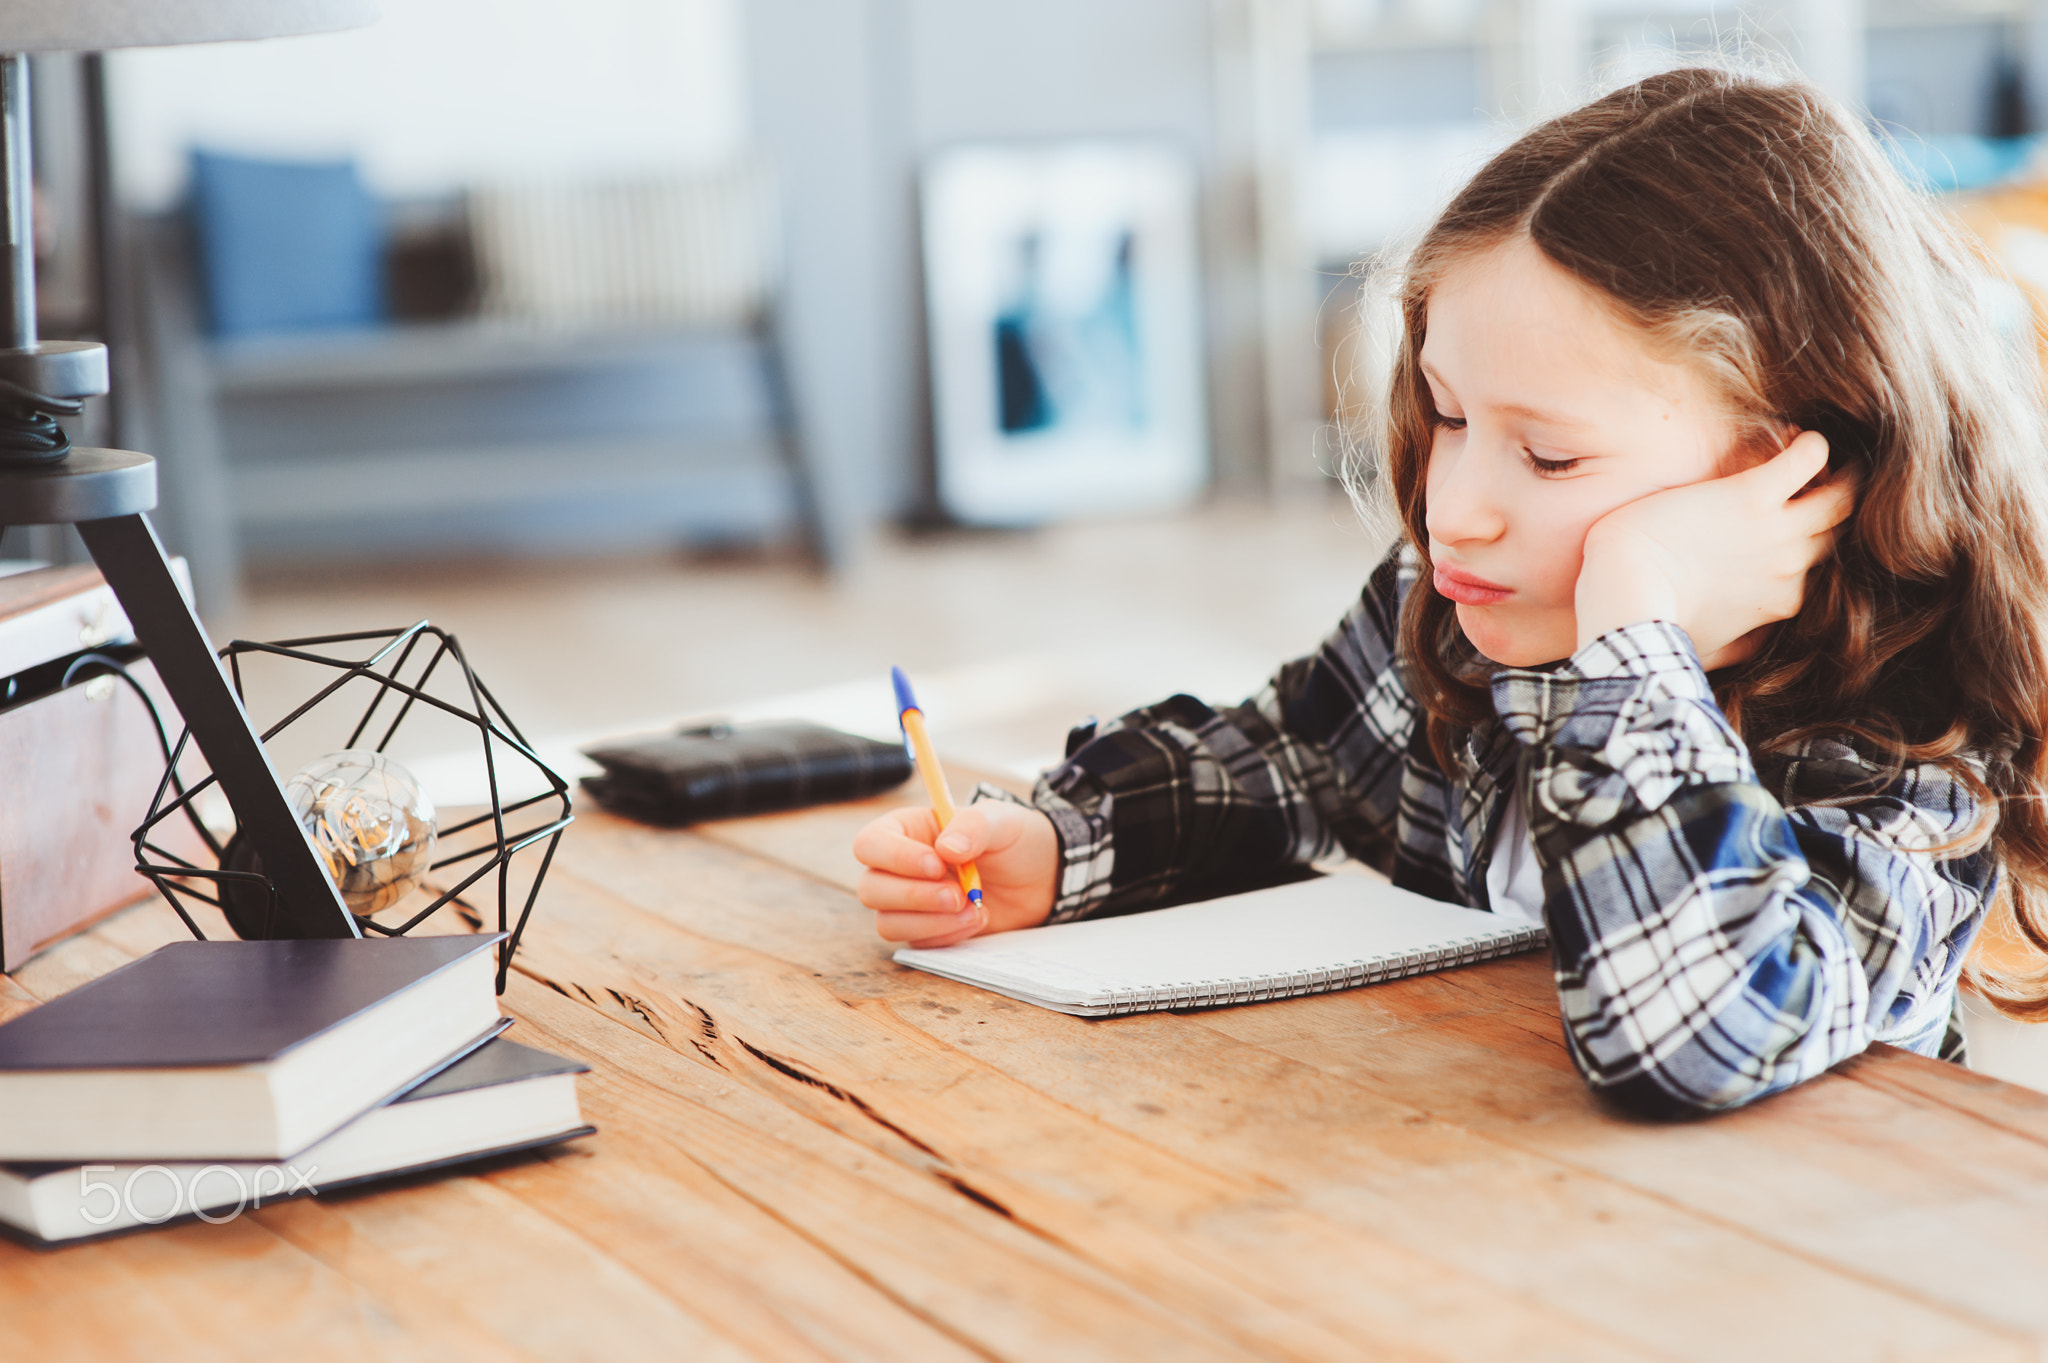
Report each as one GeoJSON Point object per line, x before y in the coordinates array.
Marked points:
{"type": "Point", "coordinates": [1722, 924]}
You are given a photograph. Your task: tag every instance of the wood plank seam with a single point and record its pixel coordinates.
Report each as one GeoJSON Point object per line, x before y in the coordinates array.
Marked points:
{"type": "Point", "coordinates": [1907, 1093]}
{"type": "Point", "coordinates": [941, 1170]}
{"type": "Point", "coordinates": [947, 1175]}
{"type": "Point", "coordinates": [1212, 1274]}
{"type": "Point", "coordinates": [719, 944]}
{"type": "Point", "coordinates": [944, 1175]}
{"type": "Point", "coordinates": [1897, 1287]}
{"type": "Point", "coordinates": [853, 1100]}
{"type": "Point", "coordinates": [1902, 1287]}
{"type": "Point", "coordinates": [852, 1266]}
{"type": "Point", "coordinates": [1505, 1140]}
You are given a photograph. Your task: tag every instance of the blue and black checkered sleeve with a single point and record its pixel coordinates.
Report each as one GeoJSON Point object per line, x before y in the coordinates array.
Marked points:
{"type": "Point", "coordinates": [1716, 940]}
{"type": "Point", "coordinates": [1182, 800]}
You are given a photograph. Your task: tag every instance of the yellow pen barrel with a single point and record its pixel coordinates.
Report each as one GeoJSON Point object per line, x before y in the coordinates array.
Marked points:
{"type": "Point", "coordinates": [935, 788]}
{"type": "Point", "coordinates": [928, 766]}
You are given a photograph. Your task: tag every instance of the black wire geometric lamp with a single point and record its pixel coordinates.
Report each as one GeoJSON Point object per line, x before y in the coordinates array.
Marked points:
{"type": "Point", "coordinates": [399, 676]}
{"type": "Point", "coordinates": [44, 480]}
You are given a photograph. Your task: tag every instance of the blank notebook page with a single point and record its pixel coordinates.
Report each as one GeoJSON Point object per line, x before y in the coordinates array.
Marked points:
{"type": "Point", "coordinates": [1333, 932]}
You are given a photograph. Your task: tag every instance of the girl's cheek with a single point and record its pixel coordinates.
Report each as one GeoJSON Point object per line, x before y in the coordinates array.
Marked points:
{"type": "Point", "coordinates": [1434, 472]}
{"type": "Point", "coordinates": [1559, 524]}
{"type": "Point", "coordinates": [1581, 504]}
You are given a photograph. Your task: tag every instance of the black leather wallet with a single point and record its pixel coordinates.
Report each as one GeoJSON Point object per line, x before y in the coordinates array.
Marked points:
{"type": "Point", "coordinates": [721, 771]}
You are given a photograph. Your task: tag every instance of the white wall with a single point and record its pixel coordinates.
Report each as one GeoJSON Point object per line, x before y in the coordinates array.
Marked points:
{"type": "Point", "coordinates": [443, 93]}
{"type": "Point", "coordinates": [849, 95]}
{"type": "Point", "coordinates": [1058, 68]}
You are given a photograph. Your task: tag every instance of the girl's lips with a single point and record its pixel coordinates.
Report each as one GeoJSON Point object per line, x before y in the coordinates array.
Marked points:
{"type": "Point", "coordinates": [1467, 590]}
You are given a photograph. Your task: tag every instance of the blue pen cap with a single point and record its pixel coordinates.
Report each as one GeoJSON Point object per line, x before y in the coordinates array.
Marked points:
{"type": "Point", "coordinates": [905, 699]}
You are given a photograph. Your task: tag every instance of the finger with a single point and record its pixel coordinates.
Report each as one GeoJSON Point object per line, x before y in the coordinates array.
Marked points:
{"type": "Point", "coordinates": [967, 837]}
{"type": "Point", "coordinates": [1801, 558]}
{"type": "Point", "coordinates": [1819, 547]}
{"type": "Point", "coordinates": [1793, 467]}
{"type": "Point", "coordinates": [1836, 498]}
{"type": "Point", "coordinates": [1828, 505]}
{"type": "Point", "coordinates": [928, 929]}
{"type": "Point", "coordinates": [885, 893]}
{"type": "Point", "coordinates": [900, 842]}
{"type": "Point", "coordinates": [949, 939]}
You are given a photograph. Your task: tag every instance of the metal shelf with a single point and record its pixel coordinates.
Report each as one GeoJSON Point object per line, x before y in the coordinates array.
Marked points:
{"type": "Point", "coordinates": [442, 352]}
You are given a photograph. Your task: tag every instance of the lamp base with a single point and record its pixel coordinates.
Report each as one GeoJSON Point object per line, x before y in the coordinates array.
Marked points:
{"type": "Point", "coordinates": [85, 485]}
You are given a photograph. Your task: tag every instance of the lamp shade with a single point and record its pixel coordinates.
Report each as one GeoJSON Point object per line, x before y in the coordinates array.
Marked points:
{"type": "Point", "coordinates": [100, 25]}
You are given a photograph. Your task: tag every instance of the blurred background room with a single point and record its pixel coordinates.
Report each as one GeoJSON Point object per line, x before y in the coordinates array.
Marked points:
{"type": "Point", "coordinates": [706, 357]}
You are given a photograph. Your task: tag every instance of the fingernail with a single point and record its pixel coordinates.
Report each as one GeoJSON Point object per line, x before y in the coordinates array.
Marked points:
{"type": "Point", "coordinates": [948, 899]}
{"type": "Point", "coordinates": [932, 866]}
{"type": "Point", "coordinates": [953, 842]}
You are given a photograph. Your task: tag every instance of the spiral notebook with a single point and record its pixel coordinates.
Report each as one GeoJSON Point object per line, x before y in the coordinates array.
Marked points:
{"type": "Point", "coordinates": [1310, 937]}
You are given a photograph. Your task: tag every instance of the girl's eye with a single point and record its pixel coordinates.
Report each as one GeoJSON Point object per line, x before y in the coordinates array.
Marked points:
{"type": "Point", "coordinates": [1542, 465]}
{"type": "Point", "coordinates": [1450, 423]}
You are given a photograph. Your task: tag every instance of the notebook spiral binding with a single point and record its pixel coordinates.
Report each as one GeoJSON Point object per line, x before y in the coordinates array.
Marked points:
{"type": "Point", "coordinates": [1256, 989]}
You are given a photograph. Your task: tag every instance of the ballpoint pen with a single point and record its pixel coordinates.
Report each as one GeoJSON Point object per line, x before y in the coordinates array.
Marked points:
{"type": "Point", "coordinates": [911, 716]}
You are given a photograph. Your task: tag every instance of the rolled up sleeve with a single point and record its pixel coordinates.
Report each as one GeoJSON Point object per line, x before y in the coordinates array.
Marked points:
{"type": "Point", "coordinates": [1718, 936]}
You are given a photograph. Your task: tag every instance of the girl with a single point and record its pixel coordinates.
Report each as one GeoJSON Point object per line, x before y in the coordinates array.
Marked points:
{"type": "Point", "coordinates": [1715, 639]}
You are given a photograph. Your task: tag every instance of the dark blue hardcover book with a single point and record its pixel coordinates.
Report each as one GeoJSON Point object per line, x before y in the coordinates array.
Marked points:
{"type": "Point", "coordinates": [238, 1050]}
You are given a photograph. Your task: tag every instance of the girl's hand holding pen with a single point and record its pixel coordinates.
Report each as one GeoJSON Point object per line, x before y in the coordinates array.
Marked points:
{"type": "Point", "coordinates": [912, 880]}
{"type": "Point", "coordinates": [940, 875]}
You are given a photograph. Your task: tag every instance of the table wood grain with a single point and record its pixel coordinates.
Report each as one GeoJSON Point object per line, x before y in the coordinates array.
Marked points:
{"type": "Point", "coordinates": [805, 1152]}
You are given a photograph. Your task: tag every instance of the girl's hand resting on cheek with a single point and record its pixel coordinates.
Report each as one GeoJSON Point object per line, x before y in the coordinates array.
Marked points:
{"type": "Point", "coordinates": [912, 885]}
{"type": "Point", "coordinates": [1720, 559]}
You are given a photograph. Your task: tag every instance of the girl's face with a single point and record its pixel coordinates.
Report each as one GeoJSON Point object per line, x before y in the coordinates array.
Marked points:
{"type": "Point", "coordinates": [1551, 412]}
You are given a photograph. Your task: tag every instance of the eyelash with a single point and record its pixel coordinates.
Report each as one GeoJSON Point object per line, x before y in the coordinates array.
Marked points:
{"type": "Point", "coordinates": [1540, 465]}
{"type": "Point", "coordinates": [1549, 466]}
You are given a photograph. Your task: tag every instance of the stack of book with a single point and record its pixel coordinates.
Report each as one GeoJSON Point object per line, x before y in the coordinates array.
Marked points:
{"type": "Point", "coordinates": [210, 1078]}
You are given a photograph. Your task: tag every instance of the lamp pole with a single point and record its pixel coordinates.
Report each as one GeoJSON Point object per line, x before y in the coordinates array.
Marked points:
{"type": "Point", "coordinates": [18, 279]}
{"type": "Point", "coordinates": [45, 480]}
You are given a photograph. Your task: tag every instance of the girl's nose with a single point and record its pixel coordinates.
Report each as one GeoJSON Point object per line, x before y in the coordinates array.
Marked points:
{"type": "Point", "coordinates": [1463, 505]}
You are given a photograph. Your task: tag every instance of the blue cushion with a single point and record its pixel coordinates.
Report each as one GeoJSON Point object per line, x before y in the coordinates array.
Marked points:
{"type": "Point", "coordinates": [286, 245]}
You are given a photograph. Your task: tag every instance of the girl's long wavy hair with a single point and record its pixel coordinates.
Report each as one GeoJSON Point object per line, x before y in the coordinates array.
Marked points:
{"type": "Point", "coordinates": [1749, 226]}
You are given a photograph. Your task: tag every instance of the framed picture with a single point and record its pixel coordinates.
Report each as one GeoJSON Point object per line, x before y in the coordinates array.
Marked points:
{"type": "Point", "coordinates": [1063, 297]}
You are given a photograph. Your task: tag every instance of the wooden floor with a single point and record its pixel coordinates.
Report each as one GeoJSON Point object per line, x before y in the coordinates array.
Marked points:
{"type": "Point", "coordinates": [806, 1152]}
{"type": "Point", "coordinates": [1011, 636]}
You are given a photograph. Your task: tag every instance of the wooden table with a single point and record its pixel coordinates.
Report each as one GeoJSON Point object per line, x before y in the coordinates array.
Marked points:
{"type": "Point", "coordinates": [807, 1152]}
